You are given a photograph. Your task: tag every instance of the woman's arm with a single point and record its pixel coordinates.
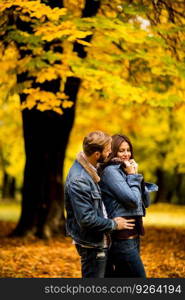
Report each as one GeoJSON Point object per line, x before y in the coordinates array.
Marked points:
{"type": "Point", "coordinates": [147, 188]}
{"type": "Point", "coordinates": [127, 189]}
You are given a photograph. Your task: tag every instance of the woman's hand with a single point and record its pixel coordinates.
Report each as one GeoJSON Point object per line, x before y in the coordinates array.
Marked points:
{"type": "Point", "coordinates": [135, 165]}
{"type": "Point", "coordinates": [131, 167]}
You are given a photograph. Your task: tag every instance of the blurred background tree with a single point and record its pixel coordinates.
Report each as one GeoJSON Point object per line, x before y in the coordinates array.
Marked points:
{"type": "Point", "coordinates": [123, 61]}
{"type": "Point", "coordinates": [12, 156]}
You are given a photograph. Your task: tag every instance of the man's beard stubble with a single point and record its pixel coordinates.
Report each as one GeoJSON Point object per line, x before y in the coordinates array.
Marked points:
{"type": "Point", "coordinates": [102, 159]}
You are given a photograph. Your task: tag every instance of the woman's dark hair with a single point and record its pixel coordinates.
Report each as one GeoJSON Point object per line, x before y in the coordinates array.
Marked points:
{"type": "Point", "coordinates": [117, 140]}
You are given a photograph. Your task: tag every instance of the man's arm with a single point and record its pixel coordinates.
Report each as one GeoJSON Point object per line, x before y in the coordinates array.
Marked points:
{"type": "Point", "coordinates": [85, 212]}
{"type": "Point", "coordinates": [84, 209]}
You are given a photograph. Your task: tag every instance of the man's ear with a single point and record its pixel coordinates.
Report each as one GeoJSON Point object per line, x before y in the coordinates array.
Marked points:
{"type": "Point", "coordinates": [97, 155]}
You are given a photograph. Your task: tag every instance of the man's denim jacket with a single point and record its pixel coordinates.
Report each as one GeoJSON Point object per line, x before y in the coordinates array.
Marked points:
{"type": "Point", "coordinates": [85, 222]}
{"type": "Point", "coordinates": [124, 195]}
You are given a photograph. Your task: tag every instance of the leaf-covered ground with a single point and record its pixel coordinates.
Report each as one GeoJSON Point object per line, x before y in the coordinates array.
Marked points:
{"type": "Point", "coordinates": [162, 250]}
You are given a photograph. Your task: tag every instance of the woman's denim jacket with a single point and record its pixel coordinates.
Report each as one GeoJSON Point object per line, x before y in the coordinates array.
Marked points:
{"type": "Point", "coordinates": [85, 222]}
{"type": "Point", "coordinates": [124, 195]}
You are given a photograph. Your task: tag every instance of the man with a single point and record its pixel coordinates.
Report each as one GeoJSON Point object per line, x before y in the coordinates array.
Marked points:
{"type": "Point", "coordinates": [87, 222]}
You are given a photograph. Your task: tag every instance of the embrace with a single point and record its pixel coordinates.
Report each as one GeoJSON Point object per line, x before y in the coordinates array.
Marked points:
{"type": "Point", "coordinates": [105, 200]}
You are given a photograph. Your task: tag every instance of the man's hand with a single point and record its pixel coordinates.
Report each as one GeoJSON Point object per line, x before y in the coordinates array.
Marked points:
{"type": "Point", "coordinates": [123, 223]}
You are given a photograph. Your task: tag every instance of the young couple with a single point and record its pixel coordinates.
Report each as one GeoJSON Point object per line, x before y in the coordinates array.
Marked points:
{"type": "Point", "coordinates": [105, 200]}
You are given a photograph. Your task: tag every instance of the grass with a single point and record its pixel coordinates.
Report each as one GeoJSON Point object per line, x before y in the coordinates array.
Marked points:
{"type": "Point", "coordinates": [165, 215]}
{"type": "Point", "coordinates": [10, 211]}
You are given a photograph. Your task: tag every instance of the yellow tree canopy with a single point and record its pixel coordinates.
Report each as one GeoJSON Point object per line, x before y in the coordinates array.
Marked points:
{"type": "Point", "coordinates": [136, 53]}
{"type": "Point", "coordinates": [132, 78]}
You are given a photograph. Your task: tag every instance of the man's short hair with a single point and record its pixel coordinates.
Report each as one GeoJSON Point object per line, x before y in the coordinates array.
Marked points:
{"type": "Point", "coordinates": [95, 141]}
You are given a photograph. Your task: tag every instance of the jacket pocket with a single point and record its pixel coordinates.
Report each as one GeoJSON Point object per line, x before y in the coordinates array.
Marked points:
{"type": "Point", "coordinates": [96, 196]}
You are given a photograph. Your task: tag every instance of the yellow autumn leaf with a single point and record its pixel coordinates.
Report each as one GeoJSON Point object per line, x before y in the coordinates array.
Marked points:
{"type": "Point", "coordinates": [84, 43]}
{"type": "Point", "coordinates": [58, 110]}
{"type": "Point", "coordinates": [67, 104]}
{"type": "Point", "coordinates": [46, 74]}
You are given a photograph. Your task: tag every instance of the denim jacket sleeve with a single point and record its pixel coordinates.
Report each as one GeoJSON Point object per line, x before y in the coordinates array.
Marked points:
{"type": "Point", "coordinates": [147, 188]}
{"type": "Point", "coordinates": [84, 208]}
{"type": "Point", "coordinates": [126, 189]}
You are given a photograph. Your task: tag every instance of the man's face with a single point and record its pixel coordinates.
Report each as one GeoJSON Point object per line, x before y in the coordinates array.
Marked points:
{"type": "Point", "coordinates": [105, 153]}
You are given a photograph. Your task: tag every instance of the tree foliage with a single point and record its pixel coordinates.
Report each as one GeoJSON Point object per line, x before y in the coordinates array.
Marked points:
{"type": "Point", "coordinates": [12, 157]}
{"type": "Point", "coordinates": [131, 69]}
{"type": "Point", "coordinates": [130, 39]}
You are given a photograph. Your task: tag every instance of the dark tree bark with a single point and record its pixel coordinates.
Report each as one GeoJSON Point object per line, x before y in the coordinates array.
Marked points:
{"type": "Point", "coordinates": [171, 187]}
{"type": "Point", "coordinates": [8, 187]}
{"type": "Point", "coordinates": [46, 136]}
{"type": "Point", "coordinates": [180, 188]}
{"type": "Point", "coordinates": [162, 191]}
{"type": "Point", "coordinates": [12, 188]}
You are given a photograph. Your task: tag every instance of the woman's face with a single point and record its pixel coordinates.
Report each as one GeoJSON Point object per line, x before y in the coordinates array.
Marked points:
{"type": "Point", "coordinates": [124, 151]}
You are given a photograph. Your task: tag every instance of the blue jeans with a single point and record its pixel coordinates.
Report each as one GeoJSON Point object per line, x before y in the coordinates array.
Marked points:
{"type": "Point", "coordinates": [93, 261]}
{"type": "Point", "coordinates": [124, 259]}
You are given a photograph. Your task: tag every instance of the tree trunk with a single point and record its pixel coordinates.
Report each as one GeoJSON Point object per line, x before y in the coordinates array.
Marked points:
{"type": "Point", "coordinates": [171, 187]}
{"type": "Point", "coordinates": [180, 187]}
{"type": "Point", "coordinates": [161, 182]}
{"type": "Point", "coordinates": [8, 187]}
{"type": "Point", "coordinates": [46, 136]}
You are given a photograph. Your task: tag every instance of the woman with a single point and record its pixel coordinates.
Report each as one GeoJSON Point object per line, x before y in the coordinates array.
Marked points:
{"type": "Point", "coordinates": [125, 194]}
